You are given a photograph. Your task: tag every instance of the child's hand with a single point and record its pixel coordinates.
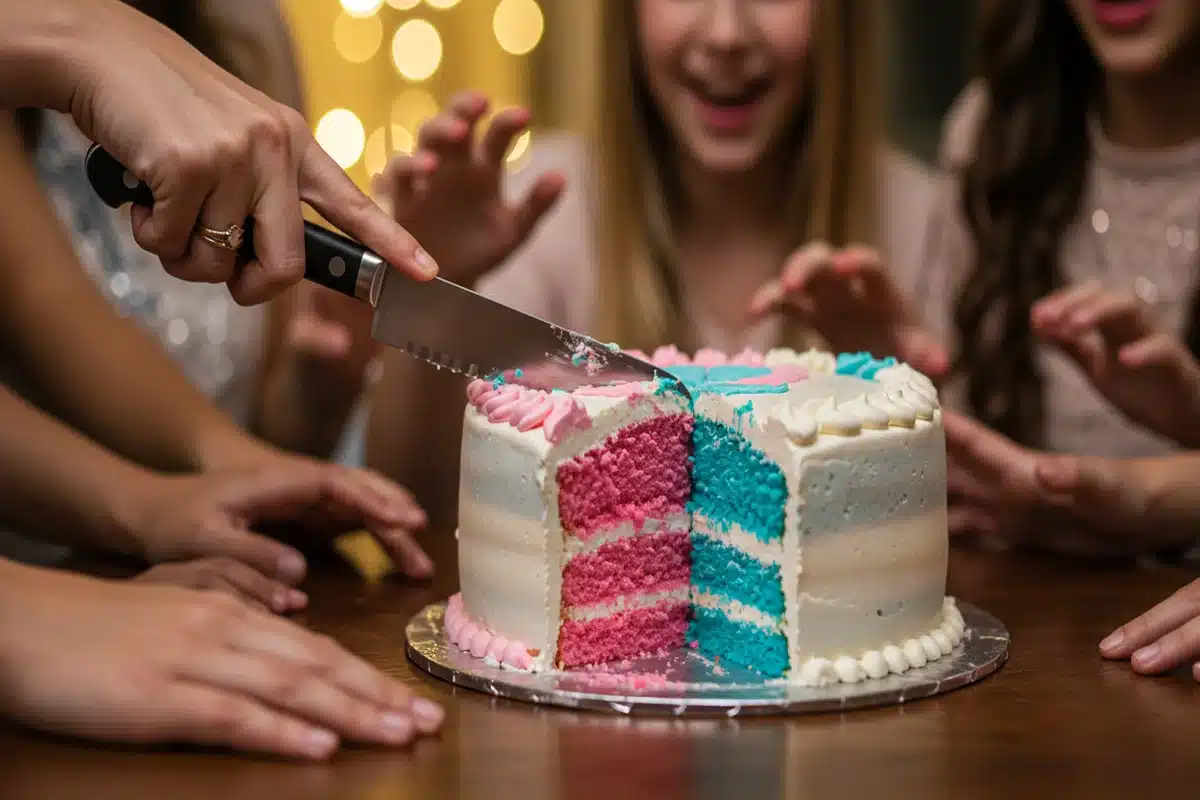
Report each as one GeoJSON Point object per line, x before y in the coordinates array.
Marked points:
{"type": "Point", "coordinates": [223, 514]}
{"type": "Point", "coordinates": [847, 297]}
{"type": "Point", "coordinates": [229, 576]}
{"type": "Point", "coordinates": [1165, 637]}
{"type": "Point", "coordinates": [450, 189]}
{"type": "Point", "coordinates": [159, 664]}
{"type": "Point", "coordinates": [1145, 372]}
{"type": "Point", "coordinates": [327, 341]}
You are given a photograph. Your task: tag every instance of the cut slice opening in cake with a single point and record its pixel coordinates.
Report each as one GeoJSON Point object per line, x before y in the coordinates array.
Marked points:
{"type": "Point", "coordinates": [626, 553]}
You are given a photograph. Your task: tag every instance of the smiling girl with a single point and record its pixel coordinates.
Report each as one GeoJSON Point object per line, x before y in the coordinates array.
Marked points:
{"type": "Point", "coordinates": [727, 139]}
{"type": "Point", "coordinates": [1066, 225]}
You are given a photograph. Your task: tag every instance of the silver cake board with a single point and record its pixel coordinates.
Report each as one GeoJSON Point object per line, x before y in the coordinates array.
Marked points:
{"type": "Point", "coordinates": [683, 682]}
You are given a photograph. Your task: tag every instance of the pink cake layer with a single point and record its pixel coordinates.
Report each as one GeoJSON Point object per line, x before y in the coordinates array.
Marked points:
{"type": "Point", "coordinates": [636, 564]}
{"type": "Point", "coordinates": [640, 473]}
{"type": "Point", "coordinates": [627, 634]}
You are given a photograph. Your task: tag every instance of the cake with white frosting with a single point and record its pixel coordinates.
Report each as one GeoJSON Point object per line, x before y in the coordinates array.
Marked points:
{"type": "Point", "coordinates": [788, 517]}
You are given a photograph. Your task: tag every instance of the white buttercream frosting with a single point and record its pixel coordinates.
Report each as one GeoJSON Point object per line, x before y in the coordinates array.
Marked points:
{"type": "Point", "coordinates": [817, 362]}
{"type": "Point", "coordinates": [895, 659]}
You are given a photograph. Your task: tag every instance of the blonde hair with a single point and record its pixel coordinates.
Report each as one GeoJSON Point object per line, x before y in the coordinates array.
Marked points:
{"type": "Point", "coordinates": [832, 191]}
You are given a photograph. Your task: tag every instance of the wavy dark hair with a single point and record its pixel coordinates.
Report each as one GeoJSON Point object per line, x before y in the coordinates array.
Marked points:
{"type": "Point", "coordinates": [1021, 190]}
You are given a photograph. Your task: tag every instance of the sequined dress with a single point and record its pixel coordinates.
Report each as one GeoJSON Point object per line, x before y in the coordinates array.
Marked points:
{"type": "Point", "coordinates": [217, 343]}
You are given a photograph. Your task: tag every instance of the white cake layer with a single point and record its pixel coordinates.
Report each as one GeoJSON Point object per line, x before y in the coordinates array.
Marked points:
{"type": "Point", "coordinates": [510, 542]}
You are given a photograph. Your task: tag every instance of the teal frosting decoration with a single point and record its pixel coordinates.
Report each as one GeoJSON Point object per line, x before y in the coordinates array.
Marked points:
{"type": "Point", "coordinates": [724, 379]}
{"type": "Point", "coordinates": [862, 365]}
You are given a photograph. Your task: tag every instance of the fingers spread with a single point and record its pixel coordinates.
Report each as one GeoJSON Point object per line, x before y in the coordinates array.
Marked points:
{"type": "Point", "coordinates": [768, 298]}
{"type": "Point", "coordinates": [540, 199]}
{"type": "Point", "coordinates": [505, 127]}
{"type": "Point", "coordinates": [446, 135]}
{"type": "Point", "coordinates": [469, 105]}
{"type": "Point", "coordinates": [1051, 312]}
{"type": "Point", "coordinates": [811, 260]}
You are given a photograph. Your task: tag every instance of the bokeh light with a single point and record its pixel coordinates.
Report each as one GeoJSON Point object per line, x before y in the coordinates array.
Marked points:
{"type": "Point", "coordinates": [357, 39]}
{"type": "Point", "coordinates": [441, 3]}
{"type": "Point", "coordinates": [412, 108]}
{"type": "Point", "coordinates": [340, 134]}
{"type": "Point", "coordinates": [416, 50]}
{"type": "Point", "coordinates": [518, 25]}
{"type": "Point", "coordinates": [361, 8]}
{"type": "Point", "coordinates": [402, 140]}
{"type": "Point", "coordinates": [403, 5]}
{"type": "Point", "coordinates": [520, 149]}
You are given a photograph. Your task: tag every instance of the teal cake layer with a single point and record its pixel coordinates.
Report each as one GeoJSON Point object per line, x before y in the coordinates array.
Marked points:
{"type": "Point", "coordinates": [729, 573]}
{"type": "Point", "coordinates": [719, 637]}
{"type": "Point", "coordinates": [733, 483]}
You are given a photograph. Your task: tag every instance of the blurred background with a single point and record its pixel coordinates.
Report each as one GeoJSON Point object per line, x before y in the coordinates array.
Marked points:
{"type": "Point", "coordinates": [375, 69]}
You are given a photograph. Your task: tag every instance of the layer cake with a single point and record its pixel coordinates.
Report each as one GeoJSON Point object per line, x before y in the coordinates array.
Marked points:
{"type": "Point", "coordinates": [790, 517]}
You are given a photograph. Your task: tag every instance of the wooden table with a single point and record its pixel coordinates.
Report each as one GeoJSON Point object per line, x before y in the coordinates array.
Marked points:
{"type": "Point", "coordinates": [1057, 720]}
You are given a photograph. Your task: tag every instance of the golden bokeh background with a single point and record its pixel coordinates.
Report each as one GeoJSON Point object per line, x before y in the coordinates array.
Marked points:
{"type": "Point", "coordinates": [374, 70]}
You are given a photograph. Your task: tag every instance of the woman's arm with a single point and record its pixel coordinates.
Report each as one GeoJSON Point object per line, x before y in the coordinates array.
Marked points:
{"type": "Point", "coordinates": [57, 485]}
{"type": "Point", "coordinates": [85, 363]}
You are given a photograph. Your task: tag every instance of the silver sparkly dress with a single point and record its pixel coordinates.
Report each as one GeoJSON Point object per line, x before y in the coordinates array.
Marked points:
{"type": "Point", "coordinates": [215, 342]}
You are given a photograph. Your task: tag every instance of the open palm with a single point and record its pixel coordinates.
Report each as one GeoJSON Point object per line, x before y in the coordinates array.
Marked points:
{"type": "Point", "coordinates": [451, 189]}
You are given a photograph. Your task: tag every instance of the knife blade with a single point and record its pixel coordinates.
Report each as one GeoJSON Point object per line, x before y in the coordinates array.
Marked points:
{"type": "Point", "coordinates": [439, 322]}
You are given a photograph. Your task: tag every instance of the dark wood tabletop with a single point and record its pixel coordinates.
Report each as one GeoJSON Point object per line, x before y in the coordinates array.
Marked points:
{"type": "Point", "coordinates": [1055, 721]}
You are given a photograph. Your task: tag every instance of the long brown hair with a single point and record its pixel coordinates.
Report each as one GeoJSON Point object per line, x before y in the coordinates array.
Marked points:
{"type": "Point", "coordinates": [1020, 192]}
{"type": "Point", "coordinates": [832, 187]}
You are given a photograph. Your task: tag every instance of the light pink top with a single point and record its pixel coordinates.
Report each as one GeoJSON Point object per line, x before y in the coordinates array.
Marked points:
{"type": "Point", "coordinates": [554, 274]}
{"type": "Point", "coordinates": [1137, 232]}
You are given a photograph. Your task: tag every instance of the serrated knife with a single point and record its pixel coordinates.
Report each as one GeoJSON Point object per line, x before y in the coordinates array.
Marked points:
{"type": "Point", "coordinates": [437, 321]}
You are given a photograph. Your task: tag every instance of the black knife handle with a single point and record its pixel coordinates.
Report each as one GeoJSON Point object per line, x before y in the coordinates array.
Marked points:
{"type": "Point", "coordinates": [330, 259]}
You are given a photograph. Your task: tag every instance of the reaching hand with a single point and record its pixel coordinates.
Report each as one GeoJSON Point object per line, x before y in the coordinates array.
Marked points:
{"type": "Point", "coordinates": [229, 576]}
{"type": "Point", "coordinates": [224, 514]}
{"type": "Point", "coordinates": [327, 343]}
{"type": "Point", "coordinates": [847, 297]}
{"type": "Point", "coordinates": [998, 487]}
{"type": "Point", "coordinates": [450, 190]}
{"type": "Point", "coordinates": [1145, 372]}
{"type": "Point", "coordinates": [213, 151]}
{"type": "Point", "coordinates": [1165, 637]}
{"type": "Point", "coordinates": [148, 664]}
